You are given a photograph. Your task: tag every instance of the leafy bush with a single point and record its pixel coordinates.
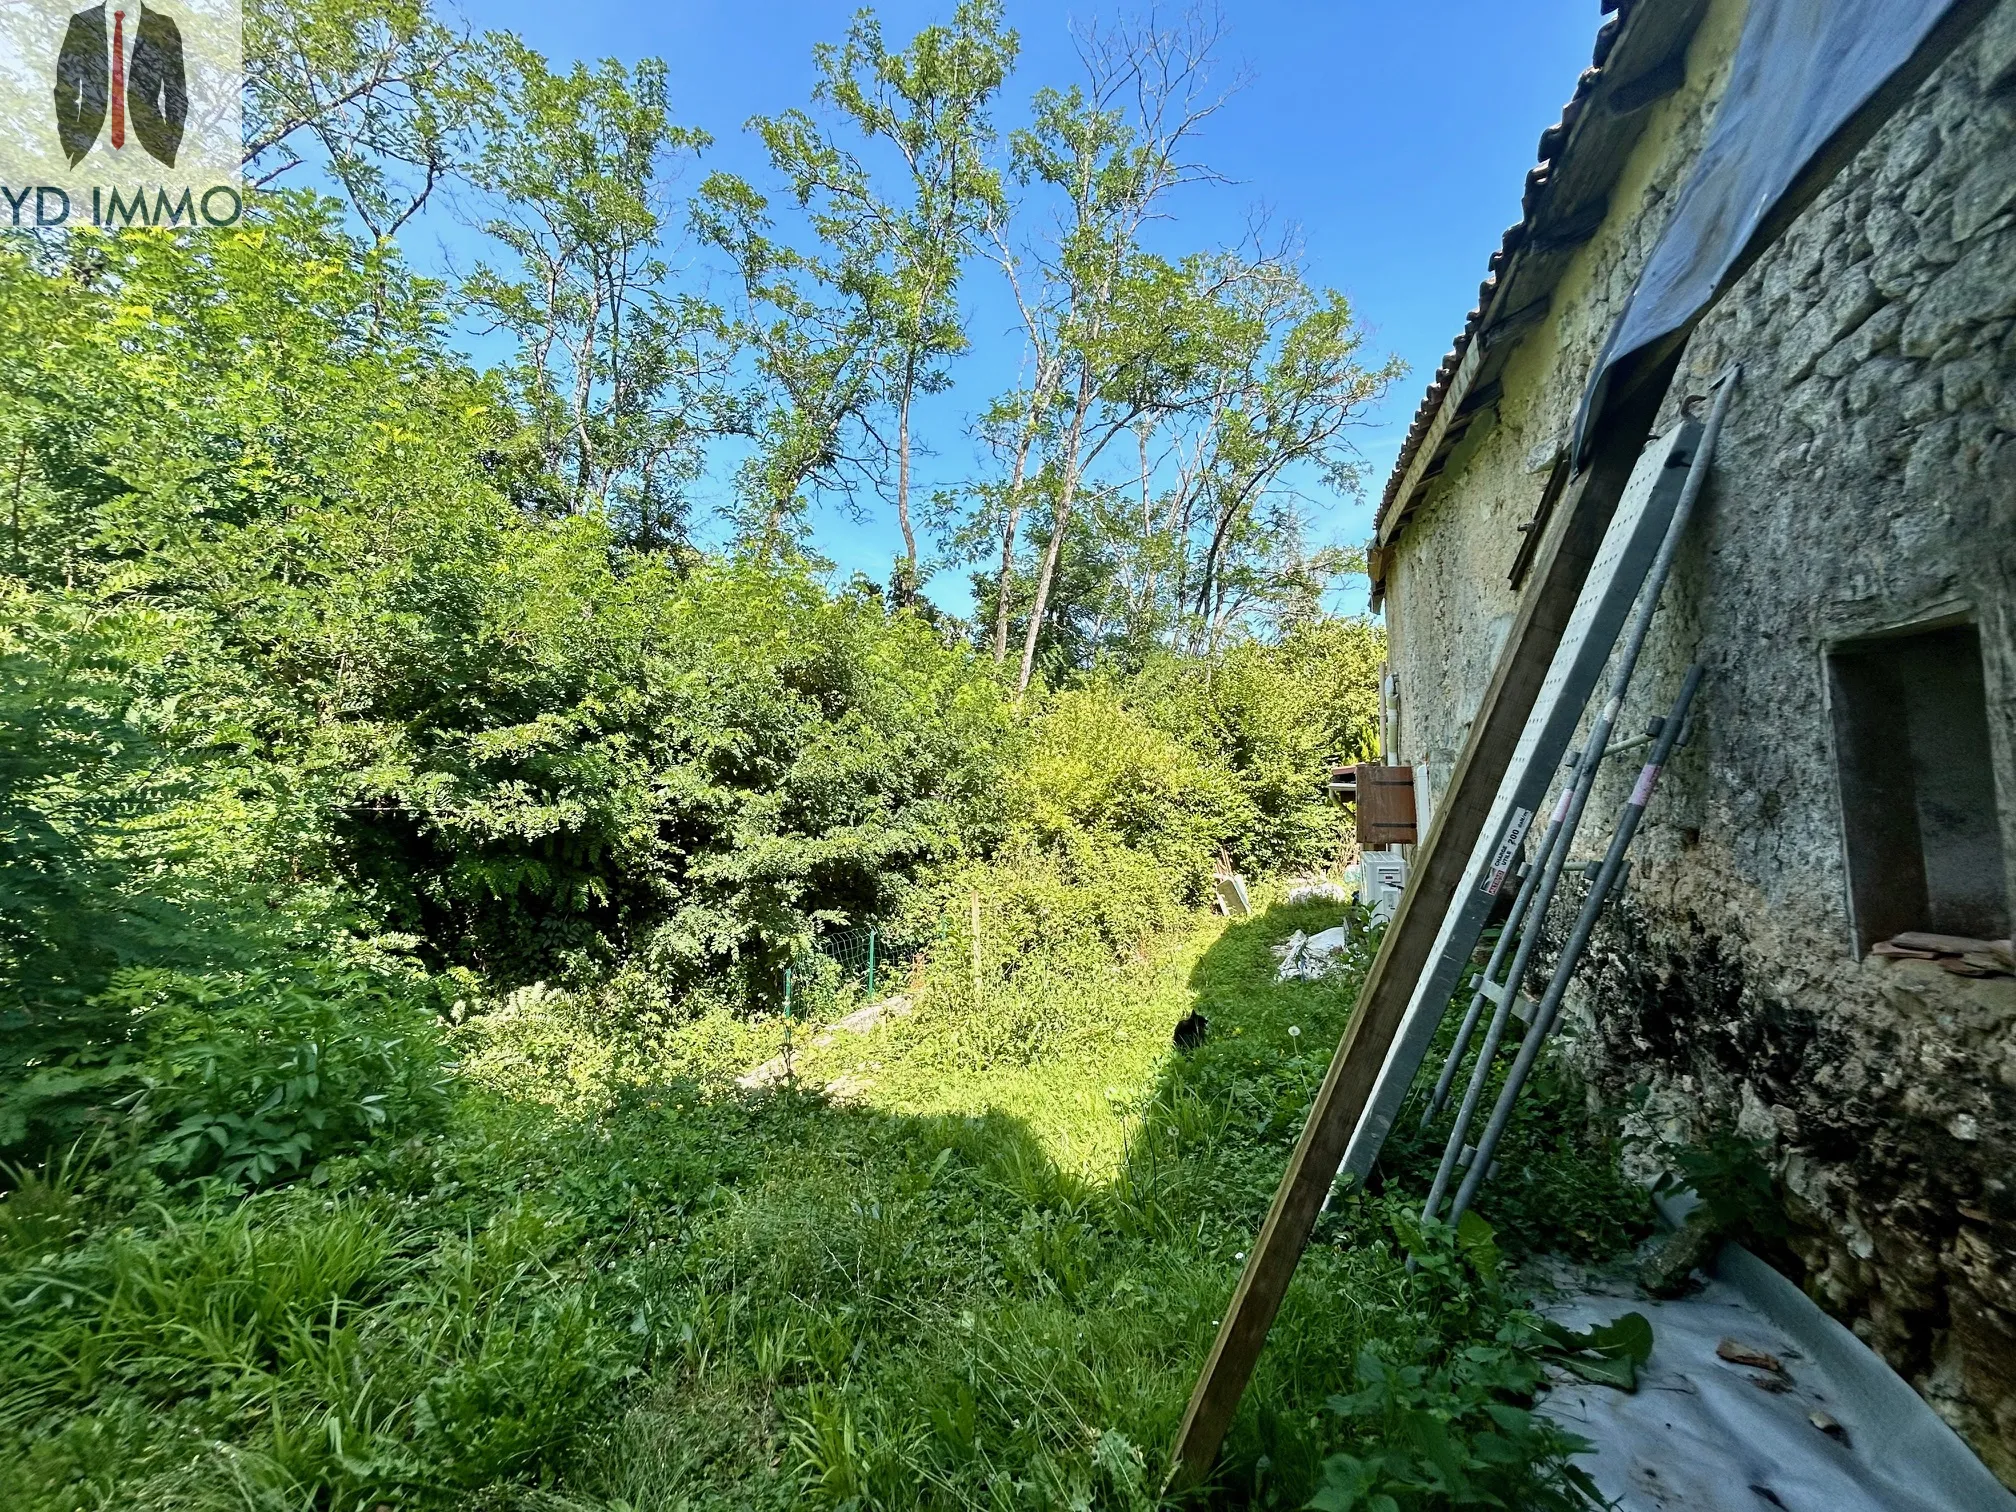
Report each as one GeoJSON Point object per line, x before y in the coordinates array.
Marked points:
{"type": "Point", "coordinates": [523, 740]}
{"type": "Point", "coordinates": [1099, 765]}
{"type": "Point", "coordinates": [1454, 1425]}
{"type": "Point", "coordinates": [1730, 1174]}
{"type": "Point", "coordinates": [71, 769]}
{"type": "Point", "coordinates": [1453, 1434]}
{"type": "Point", "coordinates": [1112, 827]}
{"type": "Point", "coordinates": [261, 1075]}
{"type": "Point", "coordinates": [1275, 717]}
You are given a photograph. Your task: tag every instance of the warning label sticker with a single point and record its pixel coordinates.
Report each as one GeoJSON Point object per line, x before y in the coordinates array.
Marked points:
{"type": "Point", "coordinates": [1508, 850]}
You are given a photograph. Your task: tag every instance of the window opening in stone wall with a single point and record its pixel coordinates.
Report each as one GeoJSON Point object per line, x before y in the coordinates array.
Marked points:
{"type": "Point", "coordinates": [1918, 800]}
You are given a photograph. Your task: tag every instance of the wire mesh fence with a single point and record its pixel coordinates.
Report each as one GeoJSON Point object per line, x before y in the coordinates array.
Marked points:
{"type": "Point", "coordinates": [840, 970]}
{"type": "Point", "coordinates": [858, 955]}
{"type": "Point", "coordinates": [863, 960]}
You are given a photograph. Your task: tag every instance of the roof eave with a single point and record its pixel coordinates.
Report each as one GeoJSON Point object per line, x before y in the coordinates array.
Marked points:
{"type": "Point", "coordinates": [1640, 57]}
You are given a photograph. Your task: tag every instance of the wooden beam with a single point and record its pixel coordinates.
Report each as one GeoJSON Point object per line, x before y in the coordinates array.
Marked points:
{"type": "Point", "coordinates": [1566, 233]}
{"type": "Point", "coordinates": [1657, 82]}
{"type": "Point", "coordinates": [1480, 396]}
{"type": "Point", "coordinates": [1515, 321]}
{"type": "Point", "coordinates": [1570, 544]}
{"type": "Point", "coordinates": [1459, 385]}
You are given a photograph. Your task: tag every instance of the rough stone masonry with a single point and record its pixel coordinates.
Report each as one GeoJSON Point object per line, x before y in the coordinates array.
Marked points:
{"type": "Point", "coordinates": [1866, 482]}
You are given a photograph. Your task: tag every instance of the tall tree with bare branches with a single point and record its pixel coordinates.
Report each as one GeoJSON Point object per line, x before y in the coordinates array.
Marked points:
{"type": "Point", "coordinates": [1098, 307]}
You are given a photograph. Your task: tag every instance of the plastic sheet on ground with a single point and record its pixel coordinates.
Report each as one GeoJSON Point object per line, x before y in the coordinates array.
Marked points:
{"type": "Point", "coordinates": [1310, 956]}
{"type": "Point", "coordinates": [1706, 1435]}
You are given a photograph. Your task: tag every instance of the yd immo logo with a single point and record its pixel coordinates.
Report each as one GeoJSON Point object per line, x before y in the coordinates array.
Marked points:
{"type": "Point", "coordinates": [126, 113]}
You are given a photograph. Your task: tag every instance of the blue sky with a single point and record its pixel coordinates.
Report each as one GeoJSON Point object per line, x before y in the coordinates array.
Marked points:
{"type": "Point", "coordinates": [1397, 138]}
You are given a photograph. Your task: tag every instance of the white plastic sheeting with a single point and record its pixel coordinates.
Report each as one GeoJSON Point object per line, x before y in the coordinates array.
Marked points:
{"type": "Point", "coordinates": [1701, 1434]}
{"type": "Point", "coordinates": [1310, 956]}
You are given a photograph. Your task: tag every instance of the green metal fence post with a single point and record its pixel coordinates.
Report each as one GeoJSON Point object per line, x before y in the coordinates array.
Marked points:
{"type": "Point", "coordinates": [787, 1022]}
{"type": "Point", "coordinates": [871, 963]}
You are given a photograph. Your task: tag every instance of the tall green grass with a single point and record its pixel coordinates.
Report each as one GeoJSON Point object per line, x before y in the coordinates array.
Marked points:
{"type": "Point", "coordinates": [984, 1280]}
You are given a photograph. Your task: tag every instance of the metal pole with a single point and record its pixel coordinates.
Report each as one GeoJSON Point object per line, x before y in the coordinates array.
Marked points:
{"type": "Point", "coordinates": [871, 963]}
{"type": "Point", "coordinates": [1506, 937]}
{"type": "Point", "coordinates": [1586, 768]}
{"type": "Point", "coordinates": [1578, 941]}
{"type": "Point", "coordinates": [1567, 820]}
{"type": "Point", "coordinates": [787, 1022]}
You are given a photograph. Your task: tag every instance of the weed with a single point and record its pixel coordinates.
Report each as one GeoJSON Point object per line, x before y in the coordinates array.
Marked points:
{"type": "Point", "coordinates": [48, 1205]}
{"type": "Point", "coordinates": [651, 1290]}
{"type": "Point", "coordinates": [1452, 1434]}
{"type": "Point", "coordinates": [1729, 1174]}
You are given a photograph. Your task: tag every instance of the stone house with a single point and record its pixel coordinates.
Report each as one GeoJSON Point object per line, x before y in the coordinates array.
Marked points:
{"type": "Point", "coordinates": [1850, 584]}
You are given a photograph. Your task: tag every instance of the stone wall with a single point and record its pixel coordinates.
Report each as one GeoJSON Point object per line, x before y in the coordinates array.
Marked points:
{"type": "Point", "coordinates": [1450, 599]}
{"type": "Point", "coordinates": [1866, 481]}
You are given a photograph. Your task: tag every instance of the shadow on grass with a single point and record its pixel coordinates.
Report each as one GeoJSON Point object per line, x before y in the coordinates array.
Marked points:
{"type": "Point", "coordinates": [961, 1320]}
{"type": "Point", "coordinates": [757, 1300]}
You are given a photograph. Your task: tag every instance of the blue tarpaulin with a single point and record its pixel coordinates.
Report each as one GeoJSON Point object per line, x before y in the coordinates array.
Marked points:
{"type": "Point", "coordinates": [1806, 72]}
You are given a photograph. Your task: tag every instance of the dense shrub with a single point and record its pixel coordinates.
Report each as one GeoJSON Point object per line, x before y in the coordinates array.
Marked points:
{"type": "Point", "coordinates": [1276, 716]}
{"type": "Point", "coordinates": [520, 738]}
{"type": "Point", "coordinates": [282, 656]}
{"type": "Point", "coordinates": [261, 1075]}
{"type": "Point", "coordinates": [279, 657]}
{"type": "Point", "coordinates": [1101, 765]}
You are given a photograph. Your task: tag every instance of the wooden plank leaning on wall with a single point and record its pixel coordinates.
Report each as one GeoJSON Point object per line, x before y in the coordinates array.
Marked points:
{"type": "Point", "coordinates": [1573, 534]}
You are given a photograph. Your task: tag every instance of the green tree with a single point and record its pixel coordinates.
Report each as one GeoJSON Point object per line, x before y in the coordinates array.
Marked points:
{"type": "Point", "coordinates": [618, 372]}
{"type": "Point", "coordinates": [1015, 427]}
{"type": "Point", "coordinates": [1217, 535]}
{"type": "Point", "coordinates": [1110, 326]}
{"type": "Point", "coordinates": [814, 342]}
{"type": "Point", "coordinates": [862, 324]}
{"type": "Point", "coordinates": [1083, 616]}
{"type": "Point", "coordinates": [931, 102]}
{"type": "Point", "coordinates": [1297, 387]}
{"type": "Point", "coordinates": [367, 90]}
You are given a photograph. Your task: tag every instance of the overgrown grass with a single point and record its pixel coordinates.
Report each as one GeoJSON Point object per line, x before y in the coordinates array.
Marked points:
{"type": "Point", "coordinates": [1557, 1187]}
{"type": "Point", "coordinates": [985, 1279]}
